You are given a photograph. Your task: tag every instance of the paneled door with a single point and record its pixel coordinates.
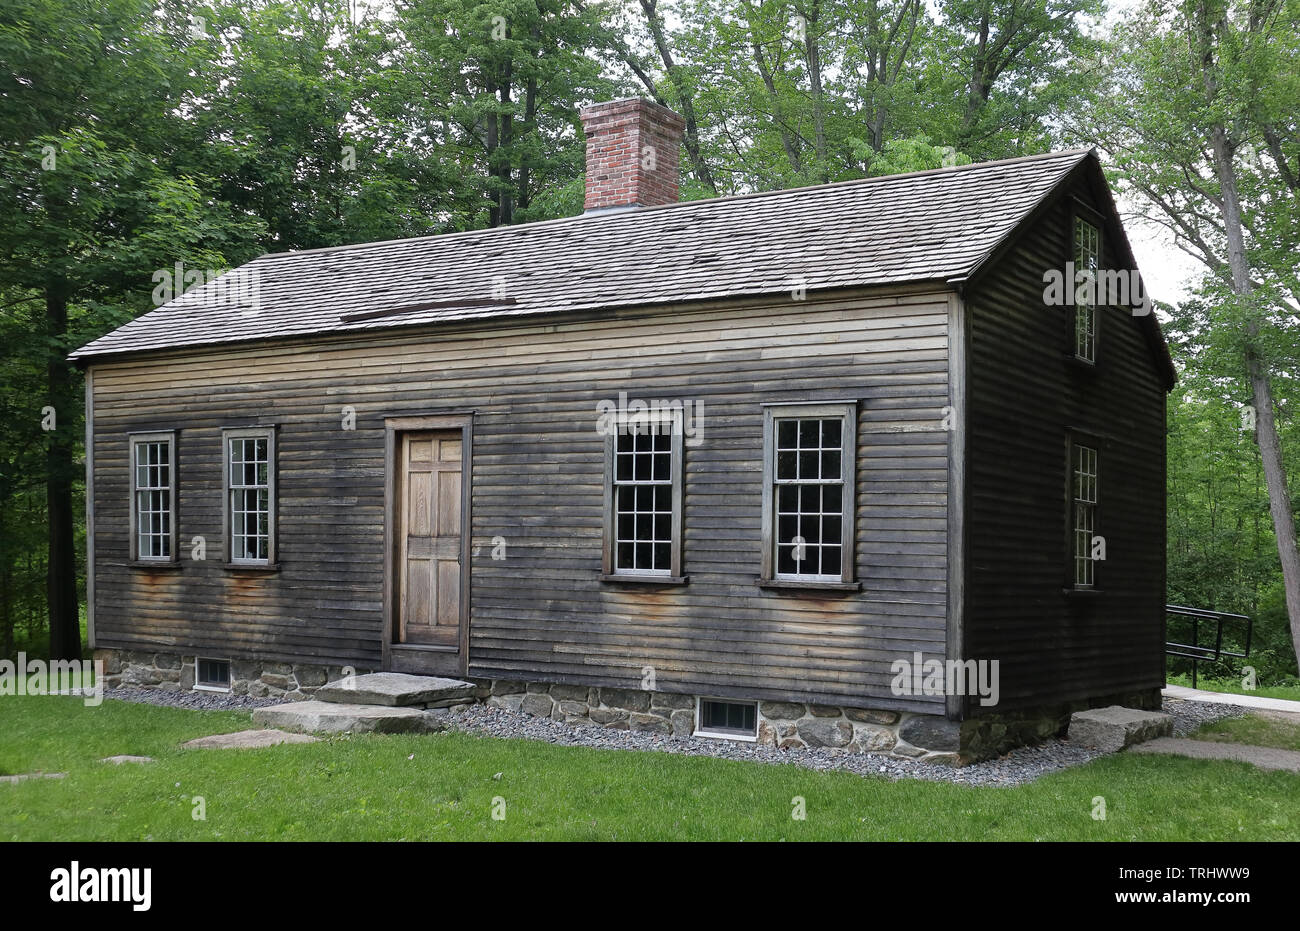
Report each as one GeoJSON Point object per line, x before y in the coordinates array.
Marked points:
{"type": "Point", "coordinates": [429, 541]}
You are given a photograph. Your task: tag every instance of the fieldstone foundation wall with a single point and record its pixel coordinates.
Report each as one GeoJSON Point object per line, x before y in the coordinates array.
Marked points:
{"type": "Point", "coordinates": [788, 725]}
{"type": "Point", "coordinates": [621, 709]}
{"type": "Point", "coordinates": [256, 678]}
{"type": "Point", "coordinates": [781, 724]}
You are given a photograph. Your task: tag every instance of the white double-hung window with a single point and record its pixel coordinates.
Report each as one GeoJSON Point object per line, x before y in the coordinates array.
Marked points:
{"type": "Point", "coordinates": [809, 454]}
{"type": "Point", "coordinates": [153, 497]}
{"type": "Point", "coordinates": [249, 479]}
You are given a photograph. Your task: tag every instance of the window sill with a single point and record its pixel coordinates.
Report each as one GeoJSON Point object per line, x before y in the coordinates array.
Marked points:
{"type": "Point", "coordinates": [1081, 592]}
{"type": "Point", "coordinates": [809, 585]}
{"type": "Point", "coordinates": [1080, 364]}
{"type": "Point", "coordinates": [726, 735]}
{"type": "Point", "coordinates": [168, 564]}
{"type": "Point", "coordinates": [617, 578]}
{"type": "Point", "coordinates": [251, 566]}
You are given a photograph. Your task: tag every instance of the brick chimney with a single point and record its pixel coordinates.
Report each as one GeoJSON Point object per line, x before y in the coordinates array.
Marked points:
{"type": "Point", "coordinates": [632, 154]}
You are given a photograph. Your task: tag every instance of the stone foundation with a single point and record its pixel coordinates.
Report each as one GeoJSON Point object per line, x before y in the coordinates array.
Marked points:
{"type": "Point", "coordinates": [991, 735]}
{"type": "Point", "coordinates": [788, 725]}
{"type": "Point", "coordinates": [256, 678]}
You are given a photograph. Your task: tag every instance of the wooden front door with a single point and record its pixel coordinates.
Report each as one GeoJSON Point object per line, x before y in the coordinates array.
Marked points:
{"type": "Point", "coordinates": [429, 538]}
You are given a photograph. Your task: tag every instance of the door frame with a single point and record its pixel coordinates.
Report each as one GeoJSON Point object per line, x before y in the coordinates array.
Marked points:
{"type": "Point", "coordinates": [424, 659]}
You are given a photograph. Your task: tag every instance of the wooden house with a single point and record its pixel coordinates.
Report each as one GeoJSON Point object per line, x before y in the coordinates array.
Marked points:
{"type": "Point", "coordinates": [753, 467]}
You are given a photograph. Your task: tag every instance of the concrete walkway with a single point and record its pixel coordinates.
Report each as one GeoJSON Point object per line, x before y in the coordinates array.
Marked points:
{"type": "Point", "coordinates": [1225, 698]}
{"type": "Point", "coordinates": [1263, 757]}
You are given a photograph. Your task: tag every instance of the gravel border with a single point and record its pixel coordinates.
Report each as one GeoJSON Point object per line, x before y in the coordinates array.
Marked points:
{"type": "Point", "coordinates": [1190, 715]}
{"type": "Point", "coordinates": [1022, 765]}
{"type": "Point", "coordinates": [194, 700]}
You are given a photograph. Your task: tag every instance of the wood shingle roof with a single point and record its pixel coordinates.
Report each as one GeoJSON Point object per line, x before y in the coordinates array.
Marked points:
{"type": "Point", "coordinates": [925, 226]}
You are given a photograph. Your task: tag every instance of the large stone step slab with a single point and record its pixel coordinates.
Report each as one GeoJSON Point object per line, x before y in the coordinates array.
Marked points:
{"type": "Point", "coordinates": [1115, 727]}
{"type": "Point", "coordinates": [396, 689]}
{"type": "Point", "coordinates": [333, 717]}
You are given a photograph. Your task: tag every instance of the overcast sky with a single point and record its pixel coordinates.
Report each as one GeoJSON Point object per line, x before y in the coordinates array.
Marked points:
{"type": "Point", "coordinates": [1167, 271]}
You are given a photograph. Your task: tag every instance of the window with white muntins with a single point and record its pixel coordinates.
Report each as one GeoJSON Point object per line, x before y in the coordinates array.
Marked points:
{"type": "Point", "coordinates": [644, 499]}
{"type": "Point", "coordinates": [153, 497]}
{"type": "Point", "coordinates": [1083, 495]}
{"type": "Point", "coordinates": [250, 495]}
{"type": "Point", "coordinates": [809, 460]}
{"type": "Point", "coordinates": [1087, 261]}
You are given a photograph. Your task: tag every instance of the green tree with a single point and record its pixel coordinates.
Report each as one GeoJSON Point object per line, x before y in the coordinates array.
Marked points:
{"type": "Point", "coordinates": [91, 201]}
{"type": "Point", "coordinates": [781, 93]}
{"type": "Point", "coordinates": [1016, 66]}
{"type": "Point", "coordinates": [491, 91]}
{"type": "Point", "coordinates": [1221, 549]}
{"type": "Point", "coordinates": [298, 113]}
{"type": "Point", "coordinates": [1200, 116]}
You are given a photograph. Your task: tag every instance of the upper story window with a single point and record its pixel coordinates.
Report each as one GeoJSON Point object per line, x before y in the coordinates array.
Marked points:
{"type": "Point", "coordinates": [1087, 262]}
{"type": "Point", "coordinates": [250, 495]}
{"type": "Point", "coordinates": [1083, 514]}
{"type": "Point", "coordinates": [643, 501]}
{"type": "Point", "coordinates": [153, 497]}
{"type": "Point", "coordinates": [809, 465]}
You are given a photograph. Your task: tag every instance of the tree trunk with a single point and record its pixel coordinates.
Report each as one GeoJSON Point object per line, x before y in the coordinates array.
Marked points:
{"type": "Point", "coordinates": [61, 569]}
{"type": "Point", "coordinates": [491, 143]}
{"type": "Point", "coordinates": [530, 127]}
{"type": "Point", "coordinates": [1266, 435]}
{"type": "Point", "coordinates": [6, 589]}
{"type": "Point", "coordinates": [977, 88]}
{"type": "Point", "coordinates": [1279, 496]}
{"type": "Point", "coordinates": [505, 146]}
{"type": "Point", "coordinates": [887, 47]}
{"type": "Point", "coordinates": [813, 61]}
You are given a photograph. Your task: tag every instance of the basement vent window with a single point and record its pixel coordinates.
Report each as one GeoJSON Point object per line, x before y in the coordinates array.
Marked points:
{"type": "Point", "coordinates": [731, 720]}
{"type": "Point", "coordinates": [212, 675]}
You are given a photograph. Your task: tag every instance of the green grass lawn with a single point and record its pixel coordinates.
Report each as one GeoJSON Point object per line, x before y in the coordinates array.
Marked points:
{"type": "Point", "coordinates": [1260, 730]}
{"type": "Point", "coordinates": [1234, 687]}
{"type": "Point", "coordinates": [443, 786]}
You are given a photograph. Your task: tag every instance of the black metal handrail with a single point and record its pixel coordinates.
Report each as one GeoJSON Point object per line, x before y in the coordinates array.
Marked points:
{"type": "Point", "coordinates": [1199, 652]}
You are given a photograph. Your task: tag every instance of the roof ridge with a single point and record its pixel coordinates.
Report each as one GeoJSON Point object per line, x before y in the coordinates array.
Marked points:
{"type": "Point", "coordinates": [641, 211]}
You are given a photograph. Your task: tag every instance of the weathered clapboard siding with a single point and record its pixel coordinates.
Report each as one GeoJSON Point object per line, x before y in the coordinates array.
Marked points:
{"type": "Point", "coordinates": [542, 613]}
{"type": "Point", "coordinates": [1024, 391]}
